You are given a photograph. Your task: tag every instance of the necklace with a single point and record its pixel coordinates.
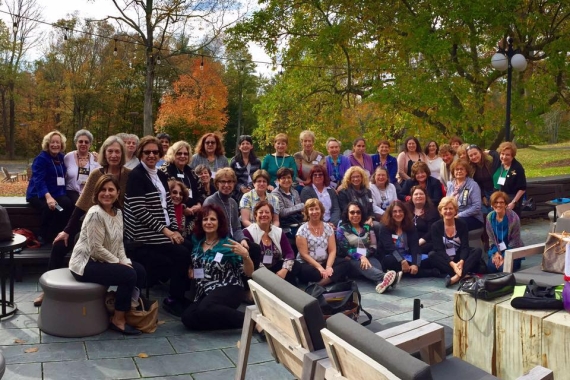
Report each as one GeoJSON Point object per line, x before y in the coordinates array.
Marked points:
{"type": "Point", "coordinates": [210, 244]}
{"type": "Point", "coordinates": [282, 161]}
{"type": "Point", "coordinates": [316, 231]}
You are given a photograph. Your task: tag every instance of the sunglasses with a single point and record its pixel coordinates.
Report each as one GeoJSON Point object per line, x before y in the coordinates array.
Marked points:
{"type": "Point", "coordinates": [148, 152]}
{"type": "Point", "coordinates": [182, 154]}
{"type": "Point", "coordinates": [210, 143]}
{"type": "Point", "coordinates": [354, 212]}
{"type": "Point", "coordinates": [472, 146]}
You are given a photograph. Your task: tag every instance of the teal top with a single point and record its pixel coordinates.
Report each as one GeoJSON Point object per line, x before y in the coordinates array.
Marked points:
{"type": "Point", "coordinates": [272, 163]}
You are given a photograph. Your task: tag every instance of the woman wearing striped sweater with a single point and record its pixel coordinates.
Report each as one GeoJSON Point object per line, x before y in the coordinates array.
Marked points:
{"type": "Point", "coordinates": [150, 219]}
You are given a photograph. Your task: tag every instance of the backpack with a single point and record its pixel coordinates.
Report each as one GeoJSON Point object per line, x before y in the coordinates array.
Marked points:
{"type": "Point", "coordinates": [5, 225]}
{"type": "Point", "coordinates": [31, 240]}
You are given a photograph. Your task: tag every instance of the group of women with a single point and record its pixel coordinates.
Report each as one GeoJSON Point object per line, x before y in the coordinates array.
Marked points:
{"type": "Point", "coordinates": [201, 218]}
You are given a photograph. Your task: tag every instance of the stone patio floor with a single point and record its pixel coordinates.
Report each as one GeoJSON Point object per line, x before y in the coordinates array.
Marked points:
{"type": "Point", "coordinates": [175, 353]}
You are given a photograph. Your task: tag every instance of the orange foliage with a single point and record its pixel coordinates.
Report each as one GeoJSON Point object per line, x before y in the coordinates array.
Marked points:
{"type": "Point", "coordinates": [197, 103]}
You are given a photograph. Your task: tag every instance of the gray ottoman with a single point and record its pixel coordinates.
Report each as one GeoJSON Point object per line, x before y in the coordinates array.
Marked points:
{"type": "Point", "coordinates": [2, 365]}
{"type": "Point", "coordinates": [71, 308]}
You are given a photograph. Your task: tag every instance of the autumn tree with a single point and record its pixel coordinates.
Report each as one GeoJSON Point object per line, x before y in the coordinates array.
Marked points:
{"type": "Point", "coordinates": [197, 103]}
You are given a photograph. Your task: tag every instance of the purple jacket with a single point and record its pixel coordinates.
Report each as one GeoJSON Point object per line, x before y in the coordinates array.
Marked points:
{"type": "Point", "coordinates": [367, 162]}
{"type": "Point", "coordinates": [343, 165]}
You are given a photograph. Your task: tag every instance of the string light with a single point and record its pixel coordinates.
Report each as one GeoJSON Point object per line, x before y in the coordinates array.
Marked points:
{"type": "Point", "coordinates": [15, 27]}
{"type": "Point", "coordinates": [202, 63]}
{"type": "Point", "coordinates": [115, 49]}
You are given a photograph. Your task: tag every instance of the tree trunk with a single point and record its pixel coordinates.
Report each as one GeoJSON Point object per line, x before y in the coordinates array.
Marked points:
{"type": "Point", "coordinates": [12, 121]}
{"type": "Point", "coordinates": [147, 116]}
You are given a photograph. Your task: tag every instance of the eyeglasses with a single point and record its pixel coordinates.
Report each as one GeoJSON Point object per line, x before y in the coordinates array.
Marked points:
{"type": "Point", "coordinates": [149, 152]}
{"type": "Point", "coordinates": [354, 212]}
{"type": "Point", "coordinates": [83, 142]}
{"type": "Point", "coordinates": [318, 175]}
{"type": "Point", "coordinates": [210, 143]}
{"type": "Point", "coordinates": [225, 182]}
{"type": "Point", "coordinates": [182, 154]}
{"type": "Point", "coordinates": [500, 202]}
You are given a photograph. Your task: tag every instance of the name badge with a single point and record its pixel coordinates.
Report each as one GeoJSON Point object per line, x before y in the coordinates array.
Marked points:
{"type": "Point", "coordinates": [218, 258]}
{"type": "Point", "coordinates": [198, 273]}
{"type": "Point", "coordinates": [361, 251]}
{"type": "Point", "coordinates": [315, 162]}
{"type": "Point", "coordinates": [394, 236]}
{"type": "Point", "coordinates": [450, 251]}
{"type": "Point", "coordinates": [180, 175]}
{"type": "Point", "coordinates": [82, 175]}
{"type": "Point", "coordinates": [213, 175]}
{"type": "Point", "coordinates": [60, 181]}
{"type": "Point", "coordinates": [501, 180]}
{"type": "Point", "coordinates": [502, 246]}
{"type": "Point", "coordinates": [267, 259]}
{"type": "Point", "coordinates": [318, 159]}
{"type": "Point", "coordinates": [238, 166]}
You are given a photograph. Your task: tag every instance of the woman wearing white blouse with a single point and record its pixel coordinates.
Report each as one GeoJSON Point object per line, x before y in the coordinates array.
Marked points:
{"type": "Point", "coordinates": [79, 164]}
{"type": "Point", "coordinates": [99, 255]}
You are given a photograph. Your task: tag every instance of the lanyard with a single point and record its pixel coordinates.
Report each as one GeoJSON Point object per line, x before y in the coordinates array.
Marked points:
{"type": "Point", "coordinates": [55, 168]}
{"type": "Point", "coordinates": [228, 213]}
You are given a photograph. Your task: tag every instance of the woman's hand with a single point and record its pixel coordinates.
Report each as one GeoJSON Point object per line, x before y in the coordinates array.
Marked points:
{"type": "Point", "coordinates": [405, 266]}
{"type": "Point", "coordinates": [237, 248]}
{"type": "Point", "coordinates": [190, 272]}
{"type": "Point", "coordinates": [270, 188]}
{"type": "Point", "coordinates": [282, 273]}
{"type": "Point", "coordinates": [369, 221]}
{"type": "Point", "coordinates": [498, 260]}
{"type": "Point", "coordinates": [62, 236]}
{"type": "Point", "coordinates": [414, 269]}
{"type": "Point", "coordinates": [329, 271]}
{"type": "Point", "coordinates": [176, 238]}
{"type": "Point", "coordinates": [50, 202]}
{"type": "Point", "coordinates": [422, 241]}
{"type": "Point", "coordinates": [511, 205]}
{"type": "Point", "coordinates": [246, 189]}
{"type": "Point", "coordinates": [244, 244]}
{"type": "Point", "coordinates": [364, 263]}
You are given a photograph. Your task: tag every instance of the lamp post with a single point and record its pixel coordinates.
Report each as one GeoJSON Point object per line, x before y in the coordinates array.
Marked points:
{"type": "Point", "coordinates": [508, 59]}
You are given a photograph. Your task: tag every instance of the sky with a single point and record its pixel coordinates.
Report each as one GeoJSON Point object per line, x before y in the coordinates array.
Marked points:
{"type": "Point", "coordinates": [54, 10]}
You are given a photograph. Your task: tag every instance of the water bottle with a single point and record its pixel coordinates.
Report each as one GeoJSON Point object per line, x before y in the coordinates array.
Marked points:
{"type": "Point", "coordinates": [566, 290]}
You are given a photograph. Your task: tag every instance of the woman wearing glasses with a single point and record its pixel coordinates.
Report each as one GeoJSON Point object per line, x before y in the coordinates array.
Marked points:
{"type": "Point", "coordinates": [79, 164]}
{"type": "Point", "coordinates": [210, 152]}
{"type": "Point", "coordinates": [176, 167]}
{"type": "Point", "coordinates": [504, 229]}
{"type": "Point", "coordinates": [150, 219]}
{"type": "Point", "coordinates": [467, 194]}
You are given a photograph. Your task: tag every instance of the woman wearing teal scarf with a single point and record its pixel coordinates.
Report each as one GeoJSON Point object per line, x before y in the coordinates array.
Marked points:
{"type": "Point", "coordinates": [218, 266]}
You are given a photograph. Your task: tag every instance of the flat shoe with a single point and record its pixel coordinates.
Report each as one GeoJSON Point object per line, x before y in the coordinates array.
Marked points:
{"type": "Point", "coordinates": [447, 281]}
{"type": "Point", "coordinates": [129, 330]}
{"type": "Point", "coordinates": [38, 301]}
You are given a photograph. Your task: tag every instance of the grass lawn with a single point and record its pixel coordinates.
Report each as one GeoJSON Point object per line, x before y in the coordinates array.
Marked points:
{"type": "Point", "coordinates": [538, 161]}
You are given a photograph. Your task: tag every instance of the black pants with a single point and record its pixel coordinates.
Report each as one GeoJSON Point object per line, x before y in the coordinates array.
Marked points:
{"type": "Point", "coordinates": [125, 277]}
{"type": "Point", "coordinates": [308, 273]}
{"type": "Point", "coordinates": [441, 260]}
{"type": "Point", "coordinates": [166, 261]}
{"type": "Point", "coordinates": [52, 221]}
{"type": "Point", "coordinates": [389, 262]}
{"type": "Point", "coordinates": [216, 311]}
{"type": "Point", "coordinates": [255, 254]}
{"type": "Point", "coordinates": [472, 222]}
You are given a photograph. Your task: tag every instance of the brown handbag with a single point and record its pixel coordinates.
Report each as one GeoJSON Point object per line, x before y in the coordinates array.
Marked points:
{"type": "Point", "coordinates": [555, 252]}
{"type": "Point", "coordinates": [143, 317]}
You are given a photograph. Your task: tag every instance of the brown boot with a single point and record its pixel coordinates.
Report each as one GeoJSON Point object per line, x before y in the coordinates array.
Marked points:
{"type": "Point", "coordinates": [38, 301]}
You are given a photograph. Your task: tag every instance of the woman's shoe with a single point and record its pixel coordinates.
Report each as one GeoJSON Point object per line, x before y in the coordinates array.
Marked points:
{"type": "Point", "coordinates": [129, 330]}
{"type": "Point", "coordinates": [447, 281]}
{"type": "Point", "coordinates": [38, 301]}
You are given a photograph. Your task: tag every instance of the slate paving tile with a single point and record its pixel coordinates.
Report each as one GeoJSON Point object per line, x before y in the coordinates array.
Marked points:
{"type": "Point", "coordinates": [29, 336]}
{"type": "Point", "coordinates": [127, 348]}
{"type": "Point", "coordinates": [448, 321]}
{"type": "Point", "coordinates": [179, 377]}
{"type": "Point", "coordinates": [23, 371]}
{"type": "Point", "coordinates": [26, 307]}
{"type": "Point", "coordinates": [258, 353]}
{"type": "Point", "coordinates": [106, 335]}
{"type": "Point", "coordinates": [182, 364]}
{"type": "Point", "coordinates": [20, 321]}
{"type": "Point", "coordinates": [205, 340]}
{"type": "Point", "coordinates": [91, 369]}
{"type": "Point", "coordinates": [265, 371]}
{"type": "Point", "coordinates": [169, 328]}
{"type": "Point", "coordinates": [51, 352]}
{"type": "Point", "coordinates": [426, 314]}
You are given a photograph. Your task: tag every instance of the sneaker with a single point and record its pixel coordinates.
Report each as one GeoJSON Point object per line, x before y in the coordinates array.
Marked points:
{"type": "Point", "coordinates": [398, 279]}
{"type": "Point", "coordinates": [389, 278]}
{"type": "Point", "coordinates": [173, 307]}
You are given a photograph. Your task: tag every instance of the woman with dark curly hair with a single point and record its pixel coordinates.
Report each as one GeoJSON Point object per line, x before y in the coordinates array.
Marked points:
{"type": "Point", "coordinates": [421, 176]}
{"type": "Point", "coordinates": [424, 215]}
{"type": "Point", "coordinates": [412, 153]}
{"type": "Point", "coordinates": [244, 164]}
{"type": "Point", "coordinates": [219, 264]}
{"type": "Point", "coordinates": [406, 256]}
{"type": "Point", "coordinates": [318, 187]}
{"type": "Point", "coordinates": [210, 152]}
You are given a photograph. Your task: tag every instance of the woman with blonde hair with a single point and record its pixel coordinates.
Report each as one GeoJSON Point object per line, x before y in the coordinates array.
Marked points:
{"type": "Point", "coordinates": [307, 157]}
{"type": "Point", "coordinates": [355, 188]}
{"type": "Point", "coordinates": [450, 237]}
{"type": "Point", "coordinates": [317, 248]}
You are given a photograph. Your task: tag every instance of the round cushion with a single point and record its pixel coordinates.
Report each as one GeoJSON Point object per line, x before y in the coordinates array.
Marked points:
{"type": "Point", "coordinates": [60, 284]}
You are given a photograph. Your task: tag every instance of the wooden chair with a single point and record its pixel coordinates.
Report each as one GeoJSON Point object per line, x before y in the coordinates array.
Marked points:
{"type": "Point", "coordinates": [7, 176]}
{"type": "Point", "coordinates": [357, 353]}
{"type": "Point", "coordinates": [535, 273]}
{"type": "Point", "coordinates": [291, 321]}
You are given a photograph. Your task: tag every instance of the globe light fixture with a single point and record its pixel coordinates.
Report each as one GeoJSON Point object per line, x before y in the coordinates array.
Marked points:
{"type": "Point", "coordinates": [508, 59]}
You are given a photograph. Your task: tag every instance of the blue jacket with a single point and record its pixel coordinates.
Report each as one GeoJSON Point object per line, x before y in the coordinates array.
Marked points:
{"type": "Point", "coordinates": [45, 171]}
{"type": "Point", "coordinates": [391, 166]}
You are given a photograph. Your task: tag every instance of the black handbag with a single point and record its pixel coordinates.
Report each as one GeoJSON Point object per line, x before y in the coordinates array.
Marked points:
{"type": "Point", "coordinates": [343, 297]}
{"type": "Point", "coordinates": [486, 287]}
{"type": "Point", "coordinates": [536, 297]}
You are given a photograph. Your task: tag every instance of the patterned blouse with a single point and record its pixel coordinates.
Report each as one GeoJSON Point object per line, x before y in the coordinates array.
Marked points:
{"type": "Point", "coordinates": [349, 240]}
{"type": "Point", "coordinates": [250, 199]}
{"type": "Point", "coordinates": [225, 272]}
{"type": "Point", "coordinates": [317, 245]}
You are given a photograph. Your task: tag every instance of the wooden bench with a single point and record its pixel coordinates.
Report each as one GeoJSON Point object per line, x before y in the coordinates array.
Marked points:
{"type": "Point", "coordinates": [23, 215]}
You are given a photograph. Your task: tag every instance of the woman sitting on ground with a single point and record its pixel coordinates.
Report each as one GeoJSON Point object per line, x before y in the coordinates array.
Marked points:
{"type": "Point", "coordinates": [319, 188]}
{"type": "Point", "coordinates": [406, 257]}
{"type": "Point", "coordinates": [383, 192]}
{"type": "Point", "coordinates": [219, 264]}
{"type": "Point", "coordinates": [258, 194]}
{"type": "Point", "coordinates": [421, 176]}
{"type": "Point", "coordinates": [317, 248]}
{"type": "Point", "coordinates": [357, 243]}
{"type": "Point", "coordinates": [99, 255]}
{"type": "Point", "coordinates": [450, 237]}
{"type": "Point", "coordinates": [467, 194]}
{"type": "Point", "coordinates": [424, 215]}
{"type": "Point", "coordinates": [504, 229]}
{"type": "Point", "coordinates": [276, 252]}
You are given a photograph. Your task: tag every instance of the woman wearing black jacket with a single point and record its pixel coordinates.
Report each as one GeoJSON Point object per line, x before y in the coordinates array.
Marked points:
{"type": "Point", "coordinates": [451, 252]}
{"type": "Point", "coordinates": [424, 214]}
{"type": "Point", "coordinates": [509, 176]}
